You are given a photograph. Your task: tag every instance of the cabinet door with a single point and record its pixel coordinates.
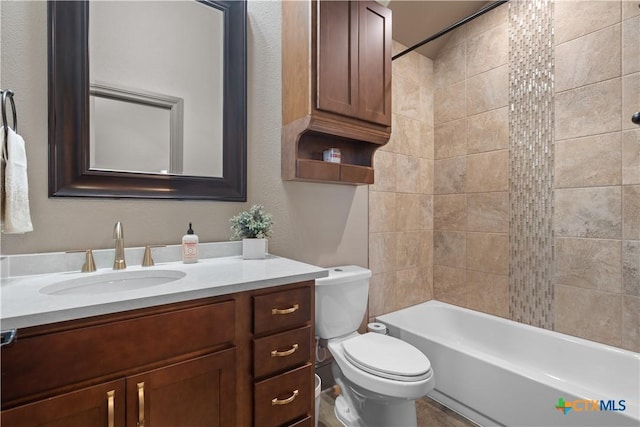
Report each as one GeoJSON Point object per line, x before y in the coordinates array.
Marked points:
{"type": "Point", "coordinates": [98, 406]}
{"type": "Point", "coordinates": [374, 94]}
{"type": "Point", "coordinates": [197, 392]}
{"type": "Point", "coordinates": [337, 56]}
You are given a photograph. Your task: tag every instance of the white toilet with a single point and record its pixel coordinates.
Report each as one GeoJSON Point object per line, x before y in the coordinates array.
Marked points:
{"type": "Point", "coordinates": [380, 376]}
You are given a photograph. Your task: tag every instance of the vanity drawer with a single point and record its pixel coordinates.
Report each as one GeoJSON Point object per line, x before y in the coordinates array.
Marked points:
{"type": "Point", "coordinates": [281, 310]}
{"type": "Point", "coordinates": [112, 345]}
{"type": "Point", "coordinates": [276, 353]}
{"type": "Point", "coordinates": [284, 398]}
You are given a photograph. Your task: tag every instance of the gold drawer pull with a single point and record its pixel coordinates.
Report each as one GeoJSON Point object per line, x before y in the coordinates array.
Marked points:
{"type": "Point", "coordinates": [140, 405]}
{"type": "Point", "coordinates": [276, 401]}
{"type": "Point", "coordinates": [110, 408]}
{"type": "Point", "coordinates": [285, 310]}
{"type": "Point", "coordinates": [276, 353]}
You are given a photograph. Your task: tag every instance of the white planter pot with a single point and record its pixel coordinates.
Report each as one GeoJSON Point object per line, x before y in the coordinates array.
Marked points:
{"type": "Point", "coordinates": [254, 248]}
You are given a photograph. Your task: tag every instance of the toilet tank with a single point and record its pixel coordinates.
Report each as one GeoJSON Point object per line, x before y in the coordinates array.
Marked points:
{"type": "Point", "coordinates": [341, 300]}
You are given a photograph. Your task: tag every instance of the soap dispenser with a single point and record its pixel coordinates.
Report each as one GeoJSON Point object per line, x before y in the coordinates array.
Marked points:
{"type": "Point", "coordinates": [190, 247]}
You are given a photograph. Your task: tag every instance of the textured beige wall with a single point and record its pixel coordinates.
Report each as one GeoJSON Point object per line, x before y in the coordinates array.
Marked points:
{"type": "Point", "coordinates": [597, 172]}
{"type": "Point", "coordinates": [318, 223]}
{"type": "Point", "coordinates": [400, 201]}
{"type": "Point", "coordinates": [471, 201]}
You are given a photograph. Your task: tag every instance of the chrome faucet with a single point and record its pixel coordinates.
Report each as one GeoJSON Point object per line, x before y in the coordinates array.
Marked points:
{"type": "Point", "coordinates": [119, 262]}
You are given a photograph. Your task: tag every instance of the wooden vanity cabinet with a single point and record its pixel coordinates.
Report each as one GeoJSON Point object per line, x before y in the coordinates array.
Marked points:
{"type": "Point", "coordinates": [336, 60]}
{"type": "Point", "coordinates": [185, 364]}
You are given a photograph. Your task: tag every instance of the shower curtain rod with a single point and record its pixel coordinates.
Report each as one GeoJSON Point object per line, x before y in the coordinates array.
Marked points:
{"type": "Point", "coordinates": [451, 28]}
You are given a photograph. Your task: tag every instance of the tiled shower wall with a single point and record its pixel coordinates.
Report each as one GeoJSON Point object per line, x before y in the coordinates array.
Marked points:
{"type": "Point", "coordinates": [597, 171]}
{"type": "Point", "coordinates": [471, 181]}
{"type": "Point", "coordinates": [401, 200]}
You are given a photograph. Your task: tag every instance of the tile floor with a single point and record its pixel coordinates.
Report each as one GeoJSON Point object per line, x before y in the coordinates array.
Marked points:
{"type": "Point", "coordinates": [430, 414]}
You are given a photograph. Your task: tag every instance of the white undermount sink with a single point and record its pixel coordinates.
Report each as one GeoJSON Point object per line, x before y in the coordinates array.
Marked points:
{"type": "Point", "coordinates": [112, 282]}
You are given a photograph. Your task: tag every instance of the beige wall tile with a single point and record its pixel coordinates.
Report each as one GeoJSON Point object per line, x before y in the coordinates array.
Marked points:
{"type": "Point", "coordinates": [488, 50]}
{"type": "Point", "coordinates": [382, 252]}
{"type": "Point", "coordinates": [630, 99]}
{"type": "Point", "coordinates": [488, 252]}
{"type": "Point", "coordinates": [577, 18]}
{"type": "Point", "coordinates": [408, 174]}
{"type": "Point", "coordinates": [450, 249]}
{"type": "Point", "coordinates": [630, 9]}
{"type": "Point", "coordinates": [589, 161]}
{"type": "Point", "coordinates": [631, 157]}
{"type": "Point", "coordinates": [449, 67]}
{"type": "Point", "coordinates": [410, 246]}
{"type": "Point", "coordinates": [588, 59]}
{"type": "Point", "coordinates": [488, 171]}
{"type": "Point", "coordinates": [589, 263]}
{"type": "Point", "coordinates": [449, 103]}
{"type": "Point", "coordinates": [407, 66]}
{"type": "Point", "coordinates": [488, 90]}
{"type": "Point", "coordinates": [449, 285]}
{"type": "Point", "coordinates": [426, 212]}
{"type": "Point", "coordinates": [588, 212]}
{"type": "Point", "coordinates": [450, 175]}
{"type": "Point", "coordinates": [588, 110]}
{"type": "Point", "coordinates": [631, 212]}
{"type": "Point", "coordinates": [488, 131]}
{"type": "Point", "coordinates": [488, 212]}
{"type": "Point", "coordinates": [630, 43]}
{"type": "Point", "coordinates": [488, 293]}
{"type": "Point", "coordinates": [493, 18]}
{"type": "Point", "coordinates": [588, 314]}
{"type": "Point", "coordinates": [381, 292]}
{"type": "Point", "coordinates": [408, 213]}
{"type": "Point", "coordinates": [426, 105]}
{"type": "Point", "coordinates": [382, 211]}
{"type": "Point", "coordinates": [407, 135]}
{"type": "Point", "coordinates": [413, 286]}
{"type": "Point", "coordinates": [450, 212]}
{"type": "Point", "coordinates": [631, 267]}
{"type": "Point", "coordinates": [427, 136]}
{"type": "Point", "coordinates": [631, 323]}
{"type": "Point", "coordinates": [406, 97]}
{"type": "Point", "coordinates": [426, 259]}
{"type": "Point", "coordinates": [425, 179]}
{"type": "Point", "coordinates": [384, 165]}
{"type": "Point", "coordinates": [451, 139]}
{"type": "Point", "coordinates": [426, 72]}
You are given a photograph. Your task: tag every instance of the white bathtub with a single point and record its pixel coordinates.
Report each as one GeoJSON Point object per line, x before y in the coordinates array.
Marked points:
{"type": "Point", "coordinates": [499, 372]}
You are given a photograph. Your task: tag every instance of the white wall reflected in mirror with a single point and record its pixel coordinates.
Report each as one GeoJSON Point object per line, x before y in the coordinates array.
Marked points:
{"type": "Point", "coordinates": [172, 48]}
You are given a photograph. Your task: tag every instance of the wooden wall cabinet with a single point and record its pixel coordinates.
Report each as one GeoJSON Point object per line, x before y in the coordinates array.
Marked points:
{"type": "Point", "coordinates": [336, 60]}
{"type": "Point", "coordinates": [198, 363]}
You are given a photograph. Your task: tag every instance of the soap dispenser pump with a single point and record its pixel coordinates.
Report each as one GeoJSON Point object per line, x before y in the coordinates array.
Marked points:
{"type": "Point", "coordinates": [190, 247]}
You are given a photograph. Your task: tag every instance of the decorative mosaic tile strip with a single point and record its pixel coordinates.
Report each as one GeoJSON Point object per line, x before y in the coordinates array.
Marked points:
{"type": "Point", "coordinates": [531, 135]}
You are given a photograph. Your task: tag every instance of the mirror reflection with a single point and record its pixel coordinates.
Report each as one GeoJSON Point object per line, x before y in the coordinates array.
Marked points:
{"type": "Point", "coordinates": [156, 72]}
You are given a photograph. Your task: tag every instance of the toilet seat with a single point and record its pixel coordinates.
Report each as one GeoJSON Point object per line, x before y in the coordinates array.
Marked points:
{"type": "Point", "coordinates": [387, 357]}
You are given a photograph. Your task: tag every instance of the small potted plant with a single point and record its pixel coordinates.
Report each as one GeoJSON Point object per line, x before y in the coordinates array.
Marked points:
{"type": "Point", "coordinates": [254, 228]}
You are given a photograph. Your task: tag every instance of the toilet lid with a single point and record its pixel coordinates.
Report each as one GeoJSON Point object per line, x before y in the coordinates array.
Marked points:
{"type": "Point", "coordinates": [387, 357]}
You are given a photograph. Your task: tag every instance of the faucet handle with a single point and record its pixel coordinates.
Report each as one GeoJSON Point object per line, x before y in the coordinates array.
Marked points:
{"type": "Point", "coordinates": [89, 265]}
{"type": "Point", "coordinates": [147, 260]}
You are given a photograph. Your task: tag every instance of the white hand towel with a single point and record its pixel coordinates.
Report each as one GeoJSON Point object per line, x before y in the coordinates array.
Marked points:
{"type": "Point", "coordinates": [16, 217]}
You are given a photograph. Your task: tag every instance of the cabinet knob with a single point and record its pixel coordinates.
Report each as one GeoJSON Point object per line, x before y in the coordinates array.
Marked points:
{"type": "Point", "coordinates": [276, 401]}
{"type": "Point", "coordinates": [289, 310]}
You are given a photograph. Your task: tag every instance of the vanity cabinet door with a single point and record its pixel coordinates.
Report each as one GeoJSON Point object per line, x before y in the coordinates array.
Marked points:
{"type": "Point", "coordinates": [197, 392]}
{"type": "Point", "coordinates": [102, 405]}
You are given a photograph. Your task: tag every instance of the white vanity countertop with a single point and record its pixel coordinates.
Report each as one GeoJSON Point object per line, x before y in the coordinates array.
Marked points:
{"type": "Point", "coordinates": [23, 305]}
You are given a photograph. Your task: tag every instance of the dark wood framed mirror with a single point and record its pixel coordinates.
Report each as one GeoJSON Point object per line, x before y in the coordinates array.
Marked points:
{"type": "Point", "coordinates": [70, 173]}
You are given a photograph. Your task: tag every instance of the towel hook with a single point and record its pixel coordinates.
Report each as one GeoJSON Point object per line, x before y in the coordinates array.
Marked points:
{"type": "Point", "coordinates": [8, 93]}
